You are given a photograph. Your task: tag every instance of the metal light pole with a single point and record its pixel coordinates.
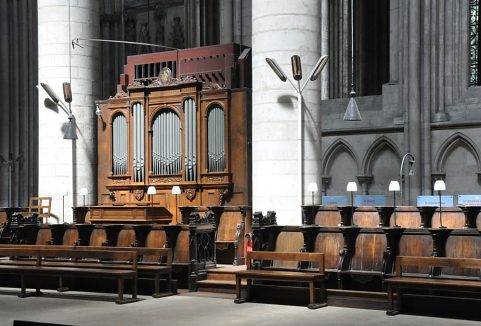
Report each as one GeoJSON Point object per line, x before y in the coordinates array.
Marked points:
{"type": "Point", "coordinates": [401, 172]}
{"type": "Point", "coordinates": [297, 75]}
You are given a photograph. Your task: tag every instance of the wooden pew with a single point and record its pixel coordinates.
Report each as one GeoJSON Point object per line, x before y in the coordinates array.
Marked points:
{"type": "Point", "coordinates": [302, 276]}
{"type": "Point", "coordinates": [40, 267]}
{"type": "Point", "coordinates": [154, 262]}
{"type": "Point", "coordinates": [401, 282]}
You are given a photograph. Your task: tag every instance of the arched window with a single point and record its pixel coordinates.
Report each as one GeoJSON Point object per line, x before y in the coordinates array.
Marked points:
{"type": "Point", "coordinates": [190, 127]}
{"type": "Point", "coordinates": [166, 144]}
{"type": "Point", "coordinates": [215, 139]}
{"type": "Point", "coordinates": [119, 145]}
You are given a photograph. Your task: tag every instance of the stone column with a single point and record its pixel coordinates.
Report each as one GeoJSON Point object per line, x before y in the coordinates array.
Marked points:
{"type": "Point", "coordinates": [68, 165]}
{"type": "Point", "coordinates": [281, 29]}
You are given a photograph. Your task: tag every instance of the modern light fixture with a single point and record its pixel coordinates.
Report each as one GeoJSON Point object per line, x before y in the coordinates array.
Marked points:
{"type": "Point", "coordinates": [64, 193]}
{"type": "Point", "coordinates": [70, 132]}
{"type": "Point", "coordinates": [312, 187]}
{"type": "Point", "coordinates": [98, 111]}
{"type": "Point", "coordinates": [352, 187]}
{"type": "Point", "coordinates": [394, 186]}
{"type": "Point", "coordinates": [411, 161]}
{"type": "Point", "coordinates": [352, 111]}
{"type": "Point", "coordinates": [76, 42]}
{"type": "Point", "coordinates": [176, 191]}
{"type": "Point", "coordinates": [439, 186]}
{"type": "Point", "coordinates": [84, 192]}
{"type": "Point", "coordinates": [151, 191]}
{"type": "Point", "coordinates": [297, 75]}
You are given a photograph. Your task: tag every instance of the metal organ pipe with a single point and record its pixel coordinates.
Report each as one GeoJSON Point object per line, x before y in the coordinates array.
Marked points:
{"type": "Point", "coordinates": [166, 144]}
{"type": "Point", "coordinates": [139, 142]}
{"type": "Point", "coordinates": [216, 139]}
{"type": "Point", "coordinates": [119, 145]}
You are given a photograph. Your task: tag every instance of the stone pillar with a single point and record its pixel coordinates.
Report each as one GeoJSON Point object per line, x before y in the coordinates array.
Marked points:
{"type": "Point", "coordinates": [18, 121]}
{"type": "Point", "coordinates": [281, 29]}
{"type": "Point", "coordinates": [68, 165]}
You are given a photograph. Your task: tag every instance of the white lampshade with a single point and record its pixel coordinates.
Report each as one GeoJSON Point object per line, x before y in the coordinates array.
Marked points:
{"type": "Point", "coordinates": [151, 190]}
{"type": "Point", "coordinates": [176, 190]}
{"type": "Point", "coordinates": [312, 187]}
{"type": "Point", "coordinates": [351, 186]}
{"type": "Point", "coordinates": [84, 192]}
{"type": "Point", "coordinates": [394, 186]}
{"type": "Point", "coordinates": [439, 185]}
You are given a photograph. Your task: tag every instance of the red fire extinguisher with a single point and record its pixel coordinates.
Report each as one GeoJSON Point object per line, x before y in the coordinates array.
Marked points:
{"type": "Point", "coordinates": [248, 242]}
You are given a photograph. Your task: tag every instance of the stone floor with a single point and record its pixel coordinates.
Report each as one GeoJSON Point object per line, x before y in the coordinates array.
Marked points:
{"type": "Point", "coordinates": [81, 309]}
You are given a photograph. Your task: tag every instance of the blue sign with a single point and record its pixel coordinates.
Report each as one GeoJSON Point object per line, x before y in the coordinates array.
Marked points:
{"type": "Point", "coordinates": [334, 200]}
{"type": "Point", "coordinates": [369, 200]}
{"type": "Point", "coordinates": [446, 201]}
{"type": "Point", "coordinates": [469, 200]}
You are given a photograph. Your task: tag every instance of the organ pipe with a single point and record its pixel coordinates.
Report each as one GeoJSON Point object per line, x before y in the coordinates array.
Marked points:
{"type": "Point", "coordinates": [215, 139]}
{"type": "Point", "coordinates": [166, 144]}
{"type": "Point", "coordinates": [119, 145]}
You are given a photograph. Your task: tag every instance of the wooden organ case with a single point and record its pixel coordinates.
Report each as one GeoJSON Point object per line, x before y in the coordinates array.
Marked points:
{"type": "Point", "coordinates": [179, 118]}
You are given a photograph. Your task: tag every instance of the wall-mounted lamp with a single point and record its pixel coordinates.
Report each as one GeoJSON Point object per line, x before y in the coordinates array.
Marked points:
{"type": "Point", "coordinates": [394, 186]}
{"type": "Point", "coordinates": [98, 111]}
{"type": "Point", "coordinates": [84, 192]}
{"type": "Point", "coordinates": [151, 191]}
{"type": "Point", "coordinates": [439, 186]}
{"type": "Point", "coordinates": [71, 131]}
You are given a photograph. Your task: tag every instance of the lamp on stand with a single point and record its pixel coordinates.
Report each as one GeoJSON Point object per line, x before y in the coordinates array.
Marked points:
{"type": "Point", "coordinates": [312, 187]}
{"type": "Point", "coordinates": [151, 191]}
{"type": "Point", "coordinates": [84, 192]}
{"type": "Point", "coordinates": [393, 187]}
{"type": "Point", "coordinates": [439, 186]}
{"type": "Point", "coordinates": [176, 191]}
{"type": "Point", "coordinates": [352, 187]}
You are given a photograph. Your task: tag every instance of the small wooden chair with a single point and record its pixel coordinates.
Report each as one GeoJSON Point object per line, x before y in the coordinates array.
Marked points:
{"type": "Point", "coordinates": [41, 206]}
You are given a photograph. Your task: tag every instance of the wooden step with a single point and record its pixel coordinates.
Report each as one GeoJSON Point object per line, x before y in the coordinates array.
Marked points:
{"type": "Point", "coordinates": [220, 279]}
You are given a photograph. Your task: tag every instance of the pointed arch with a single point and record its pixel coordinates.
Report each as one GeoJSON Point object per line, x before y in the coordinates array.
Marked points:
{"type": "Point", "coordinates": [337, 147]}
{"type": "Point", "coordinates": [373, 151]}
{"type": "Point", "coordinates": [450, 144]}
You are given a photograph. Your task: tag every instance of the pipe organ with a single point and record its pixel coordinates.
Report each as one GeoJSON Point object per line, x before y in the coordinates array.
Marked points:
{"type": "Point", "coordinates": [179, 118]}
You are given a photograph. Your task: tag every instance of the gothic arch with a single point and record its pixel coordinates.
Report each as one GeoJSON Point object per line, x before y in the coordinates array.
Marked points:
{"type": "Point", "coordinates": [450, 144]}
{"type": "Point", "coordinates": [337, 147]}
{"type": "Point", "coordinates": [373, 151]}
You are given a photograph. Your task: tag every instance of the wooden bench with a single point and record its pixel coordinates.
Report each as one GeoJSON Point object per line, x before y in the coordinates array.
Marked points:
{"type": "Point", "coordinates": [41, 269]}
{"type": "Point", "coordinates": [301, 276]}
{"type": "Point", "coordinates": [155, 262]}
{"type": "Point", "coordinates": [401, 282]}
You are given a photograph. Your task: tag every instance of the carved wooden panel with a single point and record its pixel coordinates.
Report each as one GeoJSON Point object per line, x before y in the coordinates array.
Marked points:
{"type": "Point", "coordinates": [43, 236]}
{"type": "Point", "coordinates": [181, 253]}
{"type": "Point", "coordinates": [366, 217]}
{"type": "Point", "coordinates": [416, 245]}
{"type": "Point", "coordinates": [369, 252]}
{"type": "Point", "coordinates": [407, 217]}
{"type": "Point", "coordinates": [452, 218]}
{"type": "Point", "coordinates": [329, 243]}
{"type": "Point", "coordinates": [98, 237]}
{"type": "Point", "coordinates": [126, 238]}
{"type": "Point", "coordinates": [463, 246]}
{"type": "Point", "coordinates": [288, 242]}
{"type": "Point", "coordinates": [70, 237]}
{"type": "Point", "coordinates": [328, 216]}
